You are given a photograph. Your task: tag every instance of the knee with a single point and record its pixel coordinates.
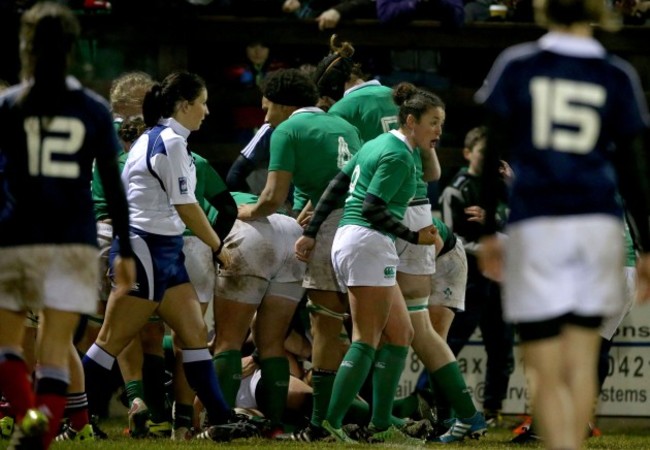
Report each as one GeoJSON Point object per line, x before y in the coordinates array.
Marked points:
{"type": "Point", "coordinates": [192, 338]}
{"type": "Point", "coordinates": [407, 335]}
{"type": "Point", "coordinates": [402, 337]}
{"type": "Point", "coordinates": [325, 327]}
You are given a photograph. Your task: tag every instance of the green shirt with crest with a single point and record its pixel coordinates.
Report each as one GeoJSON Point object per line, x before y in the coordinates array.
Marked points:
{"type": "Point", "coordinates": [385, 168]}
{"type": "Point", "coordinates": [314, 146]}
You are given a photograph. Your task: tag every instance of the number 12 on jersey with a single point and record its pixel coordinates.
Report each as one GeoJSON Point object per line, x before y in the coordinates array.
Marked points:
{"type": "Point", "coordinates": [63, 136]}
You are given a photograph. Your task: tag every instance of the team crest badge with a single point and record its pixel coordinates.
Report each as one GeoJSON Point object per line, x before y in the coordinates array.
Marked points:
{"type": "Point", "coordinates": [182, 185]}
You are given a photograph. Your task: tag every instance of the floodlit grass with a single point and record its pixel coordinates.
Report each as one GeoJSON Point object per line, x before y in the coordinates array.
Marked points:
{"type": "Point", "coordinates": [618, 436]}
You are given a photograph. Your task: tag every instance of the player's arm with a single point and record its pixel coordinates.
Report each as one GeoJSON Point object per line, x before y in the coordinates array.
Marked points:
{"type": "Point", "coordinates": [431, 170]}
{"type": "Point", "coordinates": [327, 203]}
{"type": "Point", "coordinates": [278, 183]}
{"type": "Point", "coordinates": [225, 204]}
{"type": "Point", "coordinates": [118, 208]}
{"type": "Point", "coordinates": [491, 185]}
{"type": "Point", "coordinates": [253, 155]}
{"type": "Point", "coordinates": [490, 249]}
{"type": "Point", "coordinates": [376, 211]}
{"type": "Point", "coordinates": [239, 171]}
{"type": "Point", "coordinates": [633, 175]}
{"type": "Point", "coordinates": [217, 195]}
{"type": "Point", "coordinates": [194, 218]}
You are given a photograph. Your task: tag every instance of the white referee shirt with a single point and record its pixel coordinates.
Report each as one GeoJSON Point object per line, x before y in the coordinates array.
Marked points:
{"type": "Point", "coordinates": [160, 173]}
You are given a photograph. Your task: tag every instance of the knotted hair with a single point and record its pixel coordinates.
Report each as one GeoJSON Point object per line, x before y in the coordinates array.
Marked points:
{"type": "Point", "coordinates": [333, 71]}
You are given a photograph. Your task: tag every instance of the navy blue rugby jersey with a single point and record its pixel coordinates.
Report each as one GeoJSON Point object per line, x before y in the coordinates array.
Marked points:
{"type": "Point", "coordinates": [566, 102]}
{"type": "Point", "coordinates": [48, 161]}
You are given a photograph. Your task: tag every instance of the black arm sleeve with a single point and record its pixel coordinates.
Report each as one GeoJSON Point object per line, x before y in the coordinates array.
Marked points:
{"type": "Point", "coordinates": [236, 178]}
{"type": "Point", "coordinates": [633, 178]}
{"type": "Point", "coordinates": [118, 208]}
{"type": "Point", "coordinates": [327, 203]}
{"type": "Point", "coordinates": [225, 204]}
{"type": "Point", "coordinates": [375, 210]}
{"type": "Point", "coordinates": [491, 186]}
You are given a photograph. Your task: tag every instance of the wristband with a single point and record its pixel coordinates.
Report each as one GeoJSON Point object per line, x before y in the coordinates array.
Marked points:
{"type": "Point", "coordinates": [215, 255]}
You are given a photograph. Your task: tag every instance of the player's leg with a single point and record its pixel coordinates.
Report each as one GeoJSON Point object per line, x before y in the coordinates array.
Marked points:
{"type": "Point", "coordinates": [269, 332]}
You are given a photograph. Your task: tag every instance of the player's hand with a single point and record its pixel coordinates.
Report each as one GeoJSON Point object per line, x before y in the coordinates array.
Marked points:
{"type": "Point", "coordinates": [439, 244]}
{"type": "Point", "coordinates": [223, 258]}
{"type": "Point", "coordinates": [643, 278]}
{"type": "Point", "coordinates": [475, 214]}
{"type": "Point", "coordinates": [304, 218]}
{"type": "Point", "coordinates": [303, 248]}
{"type": "Point", "coordinates": [428, 235]}
{"type": "Point", "coordinates": [245, 212]}
{"type": "Point", "coordinates": [123, 275]}
{"type": "Point", "coordinates": [490, 257]}
{"type": "Point", "coordinates": [506, 172]}
{"type": "Point", "coordinates": [290, 6]}
{"type": "Point", "coordinates": [248, 366]}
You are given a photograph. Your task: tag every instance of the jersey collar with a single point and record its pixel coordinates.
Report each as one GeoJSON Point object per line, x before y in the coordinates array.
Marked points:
{"type": "Point", "coordinates": [570, 45]}
{"type": "Point", "coordinates": [176, 126]}
{"type": "Point", "coordinates": [308, 109]}
{"type": "Point", "coordinates": [362, 85]}
{"type": "Point", "coordinates": [71, 83]}
{"type": "Point", "coordinates": [399, 135]}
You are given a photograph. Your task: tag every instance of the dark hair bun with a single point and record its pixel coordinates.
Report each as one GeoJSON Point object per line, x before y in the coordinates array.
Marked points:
{"type": "Point", "coordinates": [403, 91]}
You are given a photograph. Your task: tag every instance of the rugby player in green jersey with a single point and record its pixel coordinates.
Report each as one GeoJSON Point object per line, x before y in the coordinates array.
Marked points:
{"type": "Point", "coordinates": [308, 148]}
{"type": "Point", "coordinates": [380, 181]}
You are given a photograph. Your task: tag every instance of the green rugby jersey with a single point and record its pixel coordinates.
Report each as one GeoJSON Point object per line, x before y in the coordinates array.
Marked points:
{"type": "Point", "coordinates": [313, 146]}
{"type": "Point", "coordinates": [385, 168]}
{"type": "Point", "coordinates": [246, 198]}
{"type": "Point", "coordinates": [442, 228]}
{"type": "Point", "coordinates": [208, 184]}
{"type": "Point", "coordinates": [97, 189]}
{"type": "Point", "coordinates": [370, 108]}
{"type": "Point", "coordinates": [630, 253]}
{"type": "Point", "coordinates": [421, 188]}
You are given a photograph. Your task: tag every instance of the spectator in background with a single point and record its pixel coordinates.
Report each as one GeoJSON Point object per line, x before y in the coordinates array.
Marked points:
{"type": "Point", "coordinates": [328, 13]}
{"type": "Point", "coordinates": [634, 12]}
{"type": "Point", "coordinates": [242, 83]}
{"type": "Point", "coordinates": [450, 13]}
{"type": "Point", "coordinates": [461, 214]}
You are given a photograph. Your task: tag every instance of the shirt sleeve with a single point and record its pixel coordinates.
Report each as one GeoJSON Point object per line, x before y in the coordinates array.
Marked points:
{"type": "Point", "coordinates": [390, 175]}
{"type": "Point", "coordinates": [283, 155]}
{"type": "Point", "coordinates": [177, 171]}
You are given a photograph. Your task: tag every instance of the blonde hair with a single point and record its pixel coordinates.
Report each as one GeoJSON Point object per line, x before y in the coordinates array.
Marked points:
{"type": "Point", "coordinates": [474, 136]}
{"type": "Point", "coordinates": [127, 93]}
